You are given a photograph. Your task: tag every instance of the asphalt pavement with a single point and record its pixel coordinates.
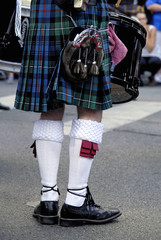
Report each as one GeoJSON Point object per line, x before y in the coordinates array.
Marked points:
{"type": "Point", "coordinates": [126, 172]}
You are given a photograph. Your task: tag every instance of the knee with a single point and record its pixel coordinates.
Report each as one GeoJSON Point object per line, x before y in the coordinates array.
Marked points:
{"type": "Point", "coordinates": [89, 114]}
{"type": "Point", "coordinates": [55, 115]}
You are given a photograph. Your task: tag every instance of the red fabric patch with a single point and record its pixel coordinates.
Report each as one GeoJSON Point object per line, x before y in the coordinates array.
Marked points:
{"type": "Point", "coordinates": [85, 155]}
{"type": "Point", "coordinates": [88, 149]}
{"type": "Point", "coordinates": [93, 152]}
{"type": "Point", "coordinates": [95, 146]}
{"type": "Point", "coordinates": [85, 150]}
{"type": "Point", "coordinates": [86, 144]}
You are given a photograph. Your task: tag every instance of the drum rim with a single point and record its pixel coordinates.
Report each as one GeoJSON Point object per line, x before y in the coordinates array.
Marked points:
{"type": "Point", "coordinates": [129, 88]}
{"type": "Point", "coordinates": [128, 22]}
{"type": "Point", "coordinates": [125, 18]}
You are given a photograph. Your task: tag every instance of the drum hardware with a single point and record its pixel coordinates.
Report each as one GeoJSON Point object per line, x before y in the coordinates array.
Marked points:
{"type": "Point", "coordinates": [132, 91]}
{"type": "Point", "coordinates": [124, 74]}
{"type": "Point", "coordinates": [5, 40]}
{"type": "Point", "coordinates": [118, 3]}
{"type": "Point", "coordinates": [124, 77]}
{"type": "Point", "coordinates": [24, 29]}
{"type": "Point", "coordinates": [11, 47]}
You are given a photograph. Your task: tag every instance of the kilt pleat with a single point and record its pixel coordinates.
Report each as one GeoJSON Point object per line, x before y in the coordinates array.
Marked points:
{"type": "Point", "coordinates": [41, 87]}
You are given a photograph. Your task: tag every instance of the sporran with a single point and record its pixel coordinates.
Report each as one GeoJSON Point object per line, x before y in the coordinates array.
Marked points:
{"type": "Point", "coordinates": [82, 56]}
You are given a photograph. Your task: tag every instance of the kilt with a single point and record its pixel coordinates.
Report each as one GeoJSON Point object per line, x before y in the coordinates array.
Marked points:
{"type": "Point", "coordinates": [40, 86]}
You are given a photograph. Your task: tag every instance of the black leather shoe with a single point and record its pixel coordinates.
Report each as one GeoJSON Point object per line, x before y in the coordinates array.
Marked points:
{"type": "Point", "coordinates": [88, 213]}
{"type": "Point", "coordinates": [3, 107]}
{"type": "Point", "coordinates": [47, 212]}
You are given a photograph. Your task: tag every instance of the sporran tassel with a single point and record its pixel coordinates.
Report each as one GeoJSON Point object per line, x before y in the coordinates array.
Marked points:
{"type": "Point", "coordinates": [84, 73]}
{"type": "Point", "coordinates": [94, 68]}
{"type": "Point", "coordinates": [79, 66]}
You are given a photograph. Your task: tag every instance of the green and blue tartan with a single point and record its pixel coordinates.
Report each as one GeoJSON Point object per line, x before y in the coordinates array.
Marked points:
{"type": "Point", "coordinates": [40, 86]}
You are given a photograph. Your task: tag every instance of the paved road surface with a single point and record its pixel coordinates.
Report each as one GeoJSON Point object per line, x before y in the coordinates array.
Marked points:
{"type": "Point", "coordinates": [126, 172]}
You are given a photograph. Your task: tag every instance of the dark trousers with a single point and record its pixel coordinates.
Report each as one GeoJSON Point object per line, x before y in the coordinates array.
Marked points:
{"type": "Point", "coordinates": [150, 64]}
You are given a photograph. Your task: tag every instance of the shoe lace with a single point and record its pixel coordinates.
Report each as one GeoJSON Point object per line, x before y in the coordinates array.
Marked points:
{"type": "Point", "coordinates": [90, 199]}
{"type": "Point", "coordinates": [88, 196]}
{"type": "Point", "coordinates": [50, 189]}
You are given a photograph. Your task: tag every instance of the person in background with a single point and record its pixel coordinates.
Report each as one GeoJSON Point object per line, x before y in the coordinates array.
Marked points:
{"type": "Point", "coordinates": [149, 60]}
{"type": "Point", "coordinates": [10, 78]}
{"type": "Point", "coordinates": [154, 6]}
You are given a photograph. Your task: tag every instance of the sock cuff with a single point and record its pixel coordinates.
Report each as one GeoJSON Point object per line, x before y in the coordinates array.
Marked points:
{"type": "Point", "coordinates": [48, 130]}
{"type": "Point", "coordinates": [87, 130]}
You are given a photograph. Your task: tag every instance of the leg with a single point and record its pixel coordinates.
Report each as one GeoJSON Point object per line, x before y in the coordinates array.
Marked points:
{"type": "Point", "coordinates": [89, 129]}
{"type": "Point", "coordinates": [158, 76]}
{"type": "Point", "coordinates": [48, 134]}
{"type": "Point", "coordinates": [79, 207]}
{"type": "Point", "coordinates": [56, 115]}
{"type": "Point", "coordinates": [89, 114]}
{"type": "Point", "coordinates": [143, 65]}
{"type": "Point", "coordinates": [154, 65]}
{"type": "Point", "coordinates": [145, 71]}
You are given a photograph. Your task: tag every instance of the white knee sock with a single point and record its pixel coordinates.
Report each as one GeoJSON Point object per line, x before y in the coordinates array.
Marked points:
{"type": "Point", "coordinates": [80, 166]}
{"type": "Point", "coordinates": [49, 137]}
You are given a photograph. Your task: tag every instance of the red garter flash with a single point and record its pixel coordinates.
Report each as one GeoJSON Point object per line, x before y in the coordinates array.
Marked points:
{"type": "Point", "coordinates": [88, 149]}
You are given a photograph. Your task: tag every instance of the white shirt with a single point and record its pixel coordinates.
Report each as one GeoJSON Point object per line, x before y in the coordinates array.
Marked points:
{"type": "Point", "coordinates": [156, 52]}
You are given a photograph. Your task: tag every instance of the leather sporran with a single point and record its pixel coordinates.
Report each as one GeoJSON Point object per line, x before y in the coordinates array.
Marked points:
{"type": "Point", "coordinates": [82, 56]}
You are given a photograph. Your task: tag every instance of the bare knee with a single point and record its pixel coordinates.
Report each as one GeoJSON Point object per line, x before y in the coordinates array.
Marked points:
{"type": "Point", "coordinates": [55, 115]}
{"type": "Point", "coordinates": [89, 114]}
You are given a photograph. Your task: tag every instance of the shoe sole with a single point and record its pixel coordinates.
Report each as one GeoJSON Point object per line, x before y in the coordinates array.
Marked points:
{"type": "Point", "coordinates": [66, 222]}
{"type": "Point", "coordinates": [47, 220]}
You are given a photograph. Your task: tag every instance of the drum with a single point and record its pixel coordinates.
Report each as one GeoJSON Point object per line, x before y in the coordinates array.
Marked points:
{"type": "Point", "coordinates": [125, 75]}
{"type": "Point", "coordinates": [11, 47]}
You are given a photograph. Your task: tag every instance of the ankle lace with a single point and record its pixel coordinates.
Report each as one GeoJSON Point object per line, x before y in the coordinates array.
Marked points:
{"type": "Point", "coordinates": [88, 195]}
{"type": "Point", "coordinates": [50, 189]}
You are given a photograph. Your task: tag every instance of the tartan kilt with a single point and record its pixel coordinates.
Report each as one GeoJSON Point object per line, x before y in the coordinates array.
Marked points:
{"type": "Point", "coordinates": [40, 86]}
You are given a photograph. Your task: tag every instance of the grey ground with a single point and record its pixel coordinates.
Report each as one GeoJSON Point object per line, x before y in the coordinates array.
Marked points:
{"type": "Point", "coordinates": [126, 174]}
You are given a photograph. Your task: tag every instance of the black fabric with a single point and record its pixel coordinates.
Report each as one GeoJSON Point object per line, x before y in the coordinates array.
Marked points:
{"type": "Point", "coordinates": [123, 2]}
{"type": "Point", "coordinates": [11, 47]}
{"type": "Point", "coordinates": [92, 2]}
{"type": "Point", "coordinates": [6, 11]}
{"type": "Point", "coordinates": [151, 64]}
{"type": "Point", "coordinates": [7, 20]}
{"type": "Point", "coordinates": [66, 5]}
{"type": "Point", "coordinates": [111, 1]}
